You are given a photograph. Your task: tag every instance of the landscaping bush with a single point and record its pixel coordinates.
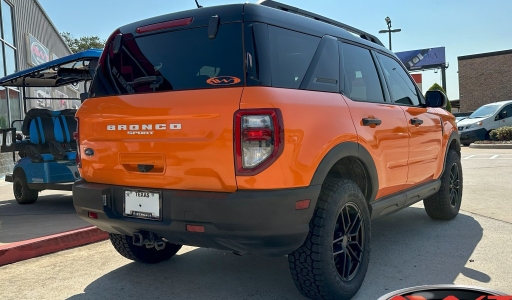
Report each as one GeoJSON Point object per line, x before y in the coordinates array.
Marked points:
{"type": "Point", "coordinates": [501, 134]}
{"type": "Point", "coordinates": [493, 135]}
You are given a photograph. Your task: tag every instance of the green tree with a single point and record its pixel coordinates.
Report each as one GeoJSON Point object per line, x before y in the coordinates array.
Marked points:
{"type": "Point", "coordinates": [82, 43]}
{"type": "Point", "coordinates": [437, 87]}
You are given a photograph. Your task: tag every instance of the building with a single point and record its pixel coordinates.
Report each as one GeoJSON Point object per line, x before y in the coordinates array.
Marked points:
{"type": "Point", "coordinates": [484, 78]}
{"type": "Point", "coordinates": [27, 38]}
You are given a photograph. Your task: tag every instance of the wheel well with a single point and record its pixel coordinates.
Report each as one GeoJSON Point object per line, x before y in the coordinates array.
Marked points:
{"type": "Point", "coordinates": [18, 171]}
{"type": "Point", "coordinates": [455, 146]}
{"type": "Point", "coordinates": [353, 169]}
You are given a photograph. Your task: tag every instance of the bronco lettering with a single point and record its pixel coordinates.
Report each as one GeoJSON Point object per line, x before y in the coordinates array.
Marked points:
{"type": "Point", "coordinates": [143, 127]}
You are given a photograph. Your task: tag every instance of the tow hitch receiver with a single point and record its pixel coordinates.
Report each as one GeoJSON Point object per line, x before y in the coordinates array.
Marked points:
{"type": "Point", "coordinates": [148, 239]}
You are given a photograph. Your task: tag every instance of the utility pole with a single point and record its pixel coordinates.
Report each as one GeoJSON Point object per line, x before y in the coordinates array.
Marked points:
{"type": "Point", "coordinates": [389, 30]}
{"type": "Point", "coordinates": [443, 75]}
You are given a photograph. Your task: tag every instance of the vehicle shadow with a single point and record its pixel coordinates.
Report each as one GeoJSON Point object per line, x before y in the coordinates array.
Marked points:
{"type": "Point", "coordinates": [408, 249]}
{"type": "Point", "coordinates": [53, 212]}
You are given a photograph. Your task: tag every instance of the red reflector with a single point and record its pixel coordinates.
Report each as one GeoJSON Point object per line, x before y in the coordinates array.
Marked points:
{"type": "Point", "coordinates": [165, 25]}
{"type": "Point", "coordinates": [75, 136]}
{"type": "Point", "coordinates": [257, 134]}
{"type": "Point", "coordinates": [195, 228]}
{"type": "Point", "coordinates": [302, 204]}
{"type": "Point", "coordinates": [93, 215]}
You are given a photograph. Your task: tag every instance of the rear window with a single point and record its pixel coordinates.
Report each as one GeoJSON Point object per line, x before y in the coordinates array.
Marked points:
{"type": "Point", "coordinates": [171, 61]}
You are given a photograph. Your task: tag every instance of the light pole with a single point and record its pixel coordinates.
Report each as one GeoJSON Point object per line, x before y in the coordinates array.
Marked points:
{"type": "Point", "coordinates": [389, 30]}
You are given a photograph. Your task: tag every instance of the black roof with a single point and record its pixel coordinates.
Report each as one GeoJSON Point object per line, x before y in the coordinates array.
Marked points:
{"type": "Point", "coordinates": [249, 12]}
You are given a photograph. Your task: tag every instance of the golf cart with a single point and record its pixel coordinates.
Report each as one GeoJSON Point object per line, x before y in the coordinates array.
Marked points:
{"type": "Point", "coordinates": [44, 140]}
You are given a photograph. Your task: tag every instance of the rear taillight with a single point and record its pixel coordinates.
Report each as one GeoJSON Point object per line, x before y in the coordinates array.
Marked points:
{"type": "Point", "coordinates": [76, 137]}
{"type": "Point", "coordinates": [258, 139]}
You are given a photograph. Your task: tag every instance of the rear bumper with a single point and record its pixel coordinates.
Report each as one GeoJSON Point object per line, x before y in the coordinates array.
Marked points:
{"type": "Point", "coordinates": [256, 222]}
{"type": "Point", "coordinates": [470, 136]}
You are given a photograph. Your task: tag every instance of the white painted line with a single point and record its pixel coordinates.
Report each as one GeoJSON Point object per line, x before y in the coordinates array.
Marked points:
{"type": "Point", "coordinates": [494, 156]}
{"type": "Point", "coordinates": [468, 157]}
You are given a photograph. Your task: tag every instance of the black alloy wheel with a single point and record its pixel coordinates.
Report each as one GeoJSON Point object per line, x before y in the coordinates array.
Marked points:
{"type": "Point", "coordinates": [348, 243]}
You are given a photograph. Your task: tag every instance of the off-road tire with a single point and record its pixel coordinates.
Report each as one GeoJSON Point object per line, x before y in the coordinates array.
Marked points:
{"type": "Point", "coordinates": [313, 266]}
{"type": "Point", "coordinates": [445, 204]}
{"type": "Point", "coordinates": [124, 246]}
{"type": "Point", "coordinates": [22, 193]}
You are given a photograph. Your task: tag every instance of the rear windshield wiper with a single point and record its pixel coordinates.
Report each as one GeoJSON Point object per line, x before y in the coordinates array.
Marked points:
{"type": "Point", "coordinates": [154, 81]}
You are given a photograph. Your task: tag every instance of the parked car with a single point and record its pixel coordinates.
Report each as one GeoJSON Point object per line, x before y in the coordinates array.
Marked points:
{"type": "Point", "coordinates": [235, 127]}
{"type": "Point", "coordinates": [486, 118]}
{"type": "Point", "coordinates": [457, 119]}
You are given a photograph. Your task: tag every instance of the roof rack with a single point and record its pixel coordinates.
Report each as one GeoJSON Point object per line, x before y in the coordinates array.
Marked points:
{"type": "Point", "coordinates": [305, 13]}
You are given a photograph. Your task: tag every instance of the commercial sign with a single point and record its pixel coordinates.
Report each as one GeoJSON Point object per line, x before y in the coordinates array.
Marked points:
{"type": "Point", "coordinates": [423, 58]}
{"type": "Point", "coordinates": [418, 79]}
{"type": "Point", "coordinates": [37, 52]}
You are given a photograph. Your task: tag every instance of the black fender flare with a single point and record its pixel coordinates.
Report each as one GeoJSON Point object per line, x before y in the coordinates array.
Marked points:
{"type": "Point", "coordinates": [454, 136]}
{"type": "Point", "coordinates": [347, 149]}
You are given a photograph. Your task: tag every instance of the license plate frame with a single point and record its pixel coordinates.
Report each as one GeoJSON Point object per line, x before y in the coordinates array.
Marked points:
{"type": "Point", "coordinates": [150, 208]}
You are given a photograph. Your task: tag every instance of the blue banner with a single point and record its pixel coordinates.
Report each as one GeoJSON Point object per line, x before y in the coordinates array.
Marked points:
{"type": "Point", "coordinates": [423, 58]}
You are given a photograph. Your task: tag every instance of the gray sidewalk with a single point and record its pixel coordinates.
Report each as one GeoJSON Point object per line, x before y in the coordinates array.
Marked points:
{"type": "Point", "coordinates": [52, 213]}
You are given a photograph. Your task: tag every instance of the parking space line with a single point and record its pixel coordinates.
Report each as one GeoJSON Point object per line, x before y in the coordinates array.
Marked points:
{"type": "Point", "coordinates": [494, 156]}
{"type": "Point", "coordinates": [468, 157]}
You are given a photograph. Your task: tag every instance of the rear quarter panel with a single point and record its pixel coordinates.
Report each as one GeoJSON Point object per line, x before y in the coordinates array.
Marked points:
{"type": "Point", "coordinates": [314, 122]}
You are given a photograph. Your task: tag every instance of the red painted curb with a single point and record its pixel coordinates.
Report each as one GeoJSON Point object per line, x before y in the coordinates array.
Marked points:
{"type": "Point", "coordinates": [18, 251]}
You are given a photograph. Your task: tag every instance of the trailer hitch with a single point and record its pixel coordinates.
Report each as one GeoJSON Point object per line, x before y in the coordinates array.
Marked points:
{"type": "Point", "coordinates": [148, 239]}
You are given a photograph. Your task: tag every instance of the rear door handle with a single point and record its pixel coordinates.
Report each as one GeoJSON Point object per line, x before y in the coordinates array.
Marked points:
{"type": "Point", "coordinates": [416, 122]}
{"type": "Point", "coordinates": [371, 121]}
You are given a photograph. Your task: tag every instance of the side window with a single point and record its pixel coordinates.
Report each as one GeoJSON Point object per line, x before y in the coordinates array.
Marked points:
{"type": "Point", "coordinates": [291, 54]}
{"type": "Point", "coordinates": [361, 78]}
{"type": "Point", "coordinates": [506, 112]}
{"type": "Point", "coordinates": [401, 87]}
{"type": "Point", "coordinates": [324, 71]}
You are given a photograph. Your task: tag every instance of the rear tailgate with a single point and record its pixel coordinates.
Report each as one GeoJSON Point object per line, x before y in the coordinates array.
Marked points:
{"type": "Point", "coordinates": [169, 140]}
{"type": "Point", "coordinates": [162, 103]}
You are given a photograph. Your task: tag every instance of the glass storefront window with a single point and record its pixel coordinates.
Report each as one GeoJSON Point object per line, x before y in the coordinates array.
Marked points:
{"type": "Point", "coordinates": [10, 60]}
{"type": "Point", "coordinates": [4, 116]}
{"type": "Point", "coordinates": [2, 70]}
{"type": "Point", "coordinates": [10, 103]}
{"type": "Point", "coordinates": [8, 31]}
{"type": "Point", "coordinates": [14, 104]}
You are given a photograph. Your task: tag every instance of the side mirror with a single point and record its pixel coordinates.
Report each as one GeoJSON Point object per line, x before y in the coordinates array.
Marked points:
{"type": "Point", "coordinates": [436, 99]}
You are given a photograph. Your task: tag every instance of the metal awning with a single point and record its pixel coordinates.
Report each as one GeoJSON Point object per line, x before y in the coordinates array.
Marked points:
{"type": "Point", "coordinates": [71, 69]}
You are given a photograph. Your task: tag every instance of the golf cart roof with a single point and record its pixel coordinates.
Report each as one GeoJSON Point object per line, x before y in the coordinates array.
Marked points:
{"type": "Point", "coordinates": [62, 71]}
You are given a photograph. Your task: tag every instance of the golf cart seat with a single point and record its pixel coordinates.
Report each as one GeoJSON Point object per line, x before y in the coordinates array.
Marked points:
{"type": "Point", "coordinates": [64, 127]}
{"type": "Point", "coordinates": [30, 115]}
{"type": "Point", "coordinates": [40, 132]}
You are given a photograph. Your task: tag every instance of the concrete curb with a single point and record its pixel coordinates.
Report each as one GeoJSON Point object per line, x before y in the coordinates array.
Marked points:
{"type": "Point", "coordinates": [491, 146]}
{"type": "Point", "coordinates": [18, 251]}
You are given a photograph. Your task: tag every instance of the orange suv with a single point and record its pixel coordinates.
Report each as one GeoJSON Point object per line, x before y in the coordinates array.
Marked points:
{"type": "Point", "coordinates": [260, 129]}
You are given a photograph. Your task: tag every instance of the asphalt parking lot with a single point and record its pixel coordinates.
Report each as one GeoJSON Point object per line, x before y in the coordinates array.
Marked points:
{"type": "Point", "coordinates": [408, 249]}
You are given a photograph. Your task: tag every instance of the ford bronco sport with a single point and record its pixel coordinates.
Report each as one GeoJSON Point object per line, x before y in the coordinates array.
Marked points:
{"type": "Point", "coordinates": [260, 129]}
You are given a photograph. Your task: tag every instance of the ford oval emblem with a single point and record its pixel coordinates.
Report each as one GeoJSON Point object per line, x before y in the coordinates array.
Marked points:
{"type": "Point", "coordinates": [89, 152]}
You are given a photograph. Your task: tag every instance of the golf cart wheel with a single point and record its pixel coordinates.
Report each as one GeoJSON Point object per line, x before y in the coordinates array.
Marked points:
{"type": "Point", "coordinates": [333, 260]}
{"type": "Point", "coordinates": [124, 246]}
{"type": "Point", "coordinates": [445, 204]}
{"type": "Point", "coordinates": [22, 193]}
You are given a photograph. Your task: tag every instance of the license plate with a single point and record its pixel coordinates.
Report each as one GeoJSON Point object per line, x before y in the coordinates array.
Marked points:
{"type": "Point", "coordinates": [143, 204]}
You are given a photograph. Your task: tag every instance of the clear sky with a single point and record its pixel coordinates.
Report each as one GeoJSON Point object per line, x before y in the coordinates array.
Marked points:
{"type": "Point", "coordinates": [464, 27]}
